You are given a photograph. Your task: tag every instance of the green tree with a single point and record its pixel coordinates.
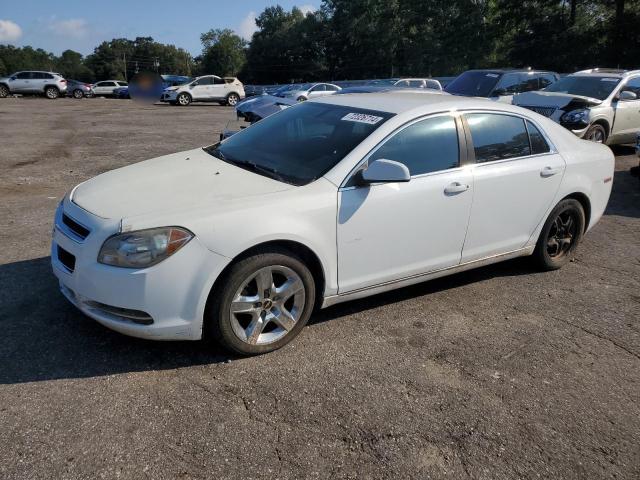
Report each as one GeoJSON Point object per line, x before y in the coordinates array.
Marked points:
{"type": "Point", "coordinates": [223, 53]}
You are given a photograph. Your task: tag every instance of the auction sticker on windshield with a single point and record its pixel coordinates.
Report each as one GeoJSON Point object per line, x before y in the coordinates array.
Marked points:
{"type": "Point", "coordinates": [361, 118]}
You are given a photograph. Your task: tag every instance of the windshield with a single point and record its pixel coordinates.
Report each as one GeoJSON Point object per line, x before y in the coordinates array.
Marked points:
{"type": "Point", "coordinates": [594, 87]}
{"type": "Point", "coordinates": [473, 84]}
{"type": "Point", "coordinates": [301, 143]}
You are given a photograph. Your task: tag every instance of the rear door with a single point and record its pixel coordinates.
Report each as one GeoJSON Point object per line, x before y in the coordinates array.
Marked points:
{"type": "Point", "coordinates": [627, 120]}
{"type": "Point", "coordinates": [516, 176]}
{"type": "Point", "coordinates": [318, 91]}
{"type": "Point", "coordinates": [218, 88]}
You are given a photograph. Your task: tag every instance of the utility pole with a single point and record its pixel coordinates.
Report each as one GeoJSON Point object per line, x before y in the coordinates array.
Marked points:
{"type": "Point", "coordinates": [124, 60]}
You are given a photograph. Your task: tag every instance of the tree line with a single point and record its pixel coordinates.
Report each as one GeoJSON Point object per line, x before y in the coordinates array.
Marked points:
{"type": "Point", "coordinates": [353, 39]}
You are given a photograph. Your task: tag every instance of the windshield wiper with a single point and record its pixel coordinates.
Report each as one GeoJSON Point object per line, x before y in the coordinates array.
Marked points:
{"type": "Point", "coordinates": [269, 172]}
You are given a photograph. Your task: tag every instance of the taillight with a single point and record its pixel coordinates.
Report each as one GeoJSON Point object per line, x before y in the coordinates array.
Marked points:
{"type": "Point", "coordinates": [63, 81]}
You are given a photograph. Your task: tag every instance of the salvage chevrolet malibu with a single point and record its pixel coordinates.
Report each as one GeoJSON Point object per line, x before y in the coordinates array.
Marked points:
{"type": "Point", "coordinates": [330, 200]}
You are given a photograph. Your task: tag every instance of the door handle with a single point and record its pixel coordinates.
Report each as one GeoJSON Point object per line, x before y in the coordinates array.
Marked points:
{"type": "Point", "coordinates": [456, 187]}
{"type": "Point", "coordinates": [549, 171]}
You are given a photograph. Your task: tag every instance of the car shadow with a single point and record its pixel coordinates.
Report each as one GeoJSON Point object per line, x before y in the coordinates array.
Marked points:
{"type": "Point", "coordinates": [46, 338]}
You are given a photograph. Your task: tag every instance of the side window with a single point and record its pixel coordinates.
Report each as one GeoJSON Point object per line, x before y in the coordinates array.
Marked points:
{"type": "Point", "coordinates": [48, 76]}
{"type": "Point", "coordinates": [497, 137]}
{"type": "Point", "coordinates": [37, 75]}
{"type": "Point", "coordinates": [426, 146]}
{"type": "Point", "coordinates": [319, 88]}
{"type": "Point", "coordinates": [218, 81]}
{"type": "Point", "coordinates": [416, 83]}
{"type": "Point", "coordinates": [24, 75]}
{"type": "Point", "coordinates": [205, 81]}
{"type": "Point", "coordinates": [123, 84]}
{"type": "Point", "coordinates": [507, 85]}
{"type": "Point", "coordinates": [546, 79]}
{"type": "Point", "coordinates": [331, 88]}
{"type": "Point", "coordinates": [633, 85]}
{"type": "Point", "coordinates": [538, 143]}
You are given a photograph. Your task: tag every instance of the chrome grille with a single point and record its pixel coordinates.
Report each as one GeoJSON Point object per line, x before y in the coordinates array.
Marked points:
{"type": "Point", "coordinates": [546, 111]}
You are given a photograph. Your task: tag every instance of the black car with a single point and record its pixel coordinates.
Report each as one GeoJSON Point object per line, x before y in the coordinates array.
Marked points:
{"type": "Point", "coordinates": [500, 83]}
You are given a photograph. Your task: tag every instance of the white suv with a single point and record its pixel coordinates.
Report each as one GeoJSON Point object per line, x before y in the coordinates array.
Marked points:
{"type": "Point", "coordinates": [106, 87]}
{"type": "Point", "coordinates": [210, 88]}
{"type": "Point", "coordinates": [601, 105]}
{"type": "Point", "coordinates": [51, 84]}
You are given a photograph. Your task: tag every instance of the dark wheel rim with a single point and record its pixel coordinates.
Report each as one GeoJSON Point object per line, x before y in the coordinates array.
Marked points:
{"type": "Point", "coordinates": [596, 135]}
{"type": "Point", "coordinates": [562, 234]}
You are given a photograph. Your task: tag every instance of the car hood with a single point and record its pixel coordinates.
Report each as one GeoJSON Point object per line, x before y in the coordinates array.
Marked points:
{"type": "Point", "coordinates": [554, 99]}
{"type": "Point", "coordinates": [184, 180]}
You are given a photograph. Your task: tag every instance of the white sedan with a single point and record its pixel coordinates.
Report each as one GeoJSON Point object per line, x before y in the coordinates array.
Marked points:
{"type": "Point", "coordinates": [327, 201]}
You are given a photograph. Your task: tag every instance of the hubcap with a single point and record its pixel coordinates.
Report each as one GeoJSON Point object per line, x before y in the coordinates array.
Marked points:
{"type": "Point", "coordinates": [267, 305]}
{"type": "Point", "coordinates": [562, 234]}
{"type": "Point", "coordinates": [183, 100]}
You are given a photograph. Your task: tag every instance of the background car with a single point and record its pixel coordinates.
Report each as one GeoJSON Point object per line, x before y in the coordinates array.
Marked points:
{"type": "Point", "coordinates": [306, 91]}
{"type": "Point", "coordinates": [208, 88]}
{"type": "Point", "coordinates": [601, 105]}
{"type": "Point", "coordinates": [499, 84]}
{"type": "Point", "coordinates": [49, 84]}
{"type": "Point", "coordinates": [105, 88]}
{"type": "Point", "coordinates": [407, 83]}
{"type": "Point", "coordinates": [77, 89]}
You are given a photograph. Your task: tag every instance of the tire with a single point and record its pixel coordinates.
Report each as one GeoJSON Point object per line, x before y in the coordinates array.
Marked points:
{"type": "Point", "coordinates": [77, 93]}
{"type": "Point", "coordinates": [560, 236]}
{"type": "Point", "coordinates": [4, 91]}
{"type": "Point", "coordinates": [233, 99]}
{"type": "Point", "coordinates": [51, 93]}
{"type": "Point", "coordinates": [183, 99]}
{"type": "Point", "coordinates": [596, 133]}
{"type": "Point", "coordinates": [301, 99]}
{"type": "Point", "coordinates": [240, 326]}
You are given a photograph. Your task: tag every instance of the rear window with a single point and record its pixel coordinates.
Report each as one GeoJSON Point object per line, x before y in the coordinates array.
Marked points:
{"type": "Point", "coordinates": [473, 84]}
{"type": "Point", "coordinates": [497, 136]}
{"type": "Point", "coordinates": [300, 144]}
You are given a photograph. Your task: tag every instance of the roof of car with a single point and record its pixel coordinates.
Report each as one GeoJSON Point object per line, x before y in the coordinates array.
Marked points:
{"type": "Point", "coordinates": [399, 101]}
{"type": "Point", "coordinates": [510, 70]}
{"type": "Point", "coordinates": [606, 72]}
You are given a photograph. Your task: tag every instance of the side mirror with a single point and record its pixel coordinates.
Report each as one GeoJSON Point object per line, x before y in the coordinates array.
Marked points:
{"type": "Point", "coordinates": [13, 78]}
{"type": "Point", "coordinates": [385, 171]}
{"type": "Point", "coordinates": [195, 84]}
{"type": "Point", "coordinates": [627, 95]}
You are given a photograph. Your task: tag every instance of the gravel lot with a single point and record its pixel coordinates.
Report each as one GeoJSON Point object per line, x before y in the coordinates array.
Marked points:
{"type": "Point", "coordinates": [497, 373]}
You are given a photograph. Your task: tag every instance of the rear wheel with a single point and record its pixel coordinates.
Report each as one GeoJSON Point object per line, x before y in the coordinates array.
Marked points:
{"type": "Point", "coordinates": [183, 99]}
{"type": "Point", "coordinates": [78, 93]}
{"type": "Point", "coordinates": [4, 91]}
{"type": "Point", "coordinates": [560, 235]}
{"type": "Point", "coordinates": [233, 99]}
{"type": "Point", "coordinates": [596, 133]}
{"type": "Point", "coordinates": [51, 93]}
{"type": "Point", "coordinates": [263, 303]}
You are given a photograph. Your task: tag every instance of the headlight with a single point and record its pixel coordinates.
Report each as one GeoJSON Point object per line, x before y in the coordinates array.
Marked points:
{"type": "Point", "coordinates": [576, 116]}
{"type": "Point", "coordinates": [143, 248]}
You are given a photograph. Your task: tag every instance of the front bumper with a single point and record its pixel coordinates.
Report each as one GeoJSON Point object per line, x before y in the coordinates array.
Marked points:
{"type": "Point", "coordinates": [168, 96]}
{"type": "Point", "coordinates": [172, 294]}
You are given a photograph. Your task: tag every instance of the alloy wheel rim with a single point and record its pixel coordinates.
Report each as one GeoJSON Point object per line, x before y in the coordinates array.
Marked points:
{"type": "Point", "coordinates": [183, 100]}
{"type": "Point", "coordinates": [77, 94]}
{"type": "Point", "coordinates": [562, 234]}
{"type": "Point", "coordinates": [597, 136]}
{"type": "Point", "coordinates": [267, 305]}
{"type": "Point", "coordinates": [51, 93]}
{"type": "Point", "coordinates": [232, 100]}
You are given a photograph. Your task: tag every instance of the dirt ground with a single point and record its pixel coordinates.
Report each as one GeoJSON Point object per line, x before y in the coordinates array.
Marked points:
{"type": "Point", "coordinates": [496, 373]}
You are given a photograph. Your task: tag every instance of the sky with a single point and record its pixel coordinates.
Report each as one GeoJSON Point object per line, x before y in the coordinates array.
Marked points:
{"type": "Point", "coordinates": [82, 25]}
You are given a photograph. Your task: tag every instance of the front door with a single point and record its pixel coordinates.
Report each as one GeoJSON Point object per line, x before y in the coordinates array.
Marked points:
{"type": "Point", "coordinates": [516, 177]}
{"type": "Point", "coordinates": [391, 231]}
{"type": "Point", "coordinates": [627, 121]}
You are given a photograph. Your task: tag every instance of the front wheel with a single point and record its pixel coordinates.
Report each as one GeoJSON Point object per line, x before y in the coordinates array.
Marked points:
{"type": "Point", "coordinates": [263, 303]}
{"type": "Point", "coordinates": [51, 93]}
{"type": "Point", "coordinates": [4, 91]}
{"type": "Point", "coordinates": [596, 133]}
{"type": "Point", "coordinates": [78, 94]}
{"type": "Point", "coordinates": [183, 99]}
{"type": "Point", "coordinates": [560, 235]}
{"type": "Point", "coordinates": [233, 99]}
